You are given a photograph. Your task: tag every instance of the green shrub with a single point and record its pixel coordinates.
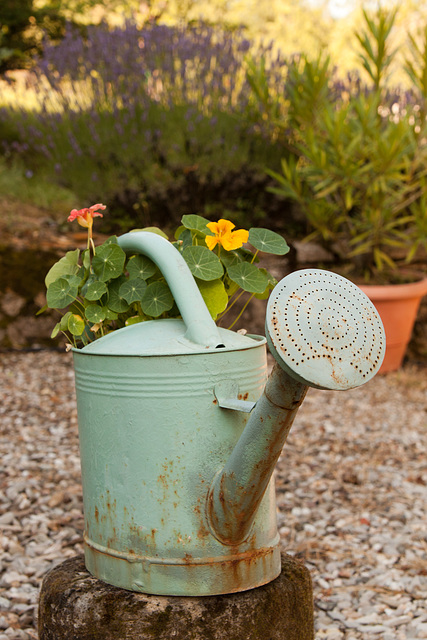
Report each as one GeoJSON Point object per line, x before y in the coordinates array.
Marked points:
{"type": "Point", "coordinates": [358, 165]}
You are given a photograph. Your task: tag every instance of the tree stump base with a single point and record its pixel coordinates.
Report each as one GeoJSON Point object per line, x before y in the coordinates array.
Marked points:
{"type": "Point", "coordinates": [74, 605]}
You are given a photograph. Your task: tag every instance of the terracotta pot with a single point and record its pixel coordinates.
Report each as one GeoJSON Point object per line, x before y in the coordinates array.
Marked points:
{"type": "Point", "coordinates": [397, 305]}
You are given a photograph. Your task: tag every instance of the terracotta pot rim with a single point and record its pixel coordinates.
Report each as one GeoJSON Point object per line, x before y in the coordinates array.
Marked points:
{"type": "Point", "coordinates": [394, 291]}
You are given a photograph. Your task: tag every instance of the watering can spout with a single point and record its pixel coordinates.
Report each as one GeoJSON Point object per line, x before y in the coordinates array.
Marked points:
{"type": "Point", "coordinates": [323, 332]}
{"type": "Point", "coordinates": [237, 491]}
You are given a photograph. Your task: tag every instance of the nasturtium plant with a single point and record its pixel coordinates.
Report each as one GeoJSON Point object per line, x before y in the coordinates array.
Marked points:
{"type": "Point", "coordinates": [102, 289]}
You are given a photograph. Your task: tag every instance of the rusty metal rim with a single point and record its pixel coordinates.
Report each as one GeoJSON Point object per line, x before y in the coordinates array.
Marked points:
{"type": "Point", "coordinates": [235, 557]}
{"type": "Point", "coordinates": [258, 341]}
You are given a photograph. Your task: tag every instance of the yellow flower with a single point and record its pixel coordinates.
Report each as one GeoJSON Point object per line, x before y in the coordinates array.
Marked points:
{"type": "Point", "coordinates": [224, 236]}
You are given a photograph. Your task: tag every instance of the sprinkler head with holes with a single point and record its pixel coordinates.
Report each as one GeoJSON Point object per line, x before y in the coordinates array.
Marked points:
{"type": "Point", "coordinates": [324, 331]}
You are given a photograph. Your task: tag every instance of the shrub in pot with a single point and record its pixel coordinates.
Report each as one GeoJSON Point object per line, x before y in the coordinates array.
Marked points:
{"type": "Point", "coordinates": [357, 165]}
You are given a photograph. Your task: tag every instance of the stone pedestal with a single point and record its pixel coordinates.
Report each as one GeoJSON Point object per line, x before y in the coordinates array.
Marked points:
{"type": "Point", "coordinates": [76, 606]}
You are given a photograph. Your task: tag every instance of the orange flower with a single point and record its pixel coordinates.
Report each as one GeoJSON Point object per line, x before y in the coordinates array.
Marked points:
{"type": "Point", "coordinates": [224, 236]}
{"type": "Point", "coordinates": [85, 216]}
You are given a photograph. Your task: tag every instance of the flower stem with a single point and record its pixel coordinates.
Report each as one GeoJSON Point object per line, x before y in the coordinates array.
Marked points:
{"type": "Point", "coordinates": [231, 304]}
{"type": "Point", "coordinates": [241, 313]}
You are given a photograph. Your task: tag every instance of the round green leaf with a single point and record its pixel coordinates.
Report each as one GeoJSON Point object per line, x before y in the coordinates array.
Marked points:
{"type": "Point", "coordinates": [109, 261]}
{"type": "Point", "coordinates": [214, 295]}
{"type": "Point", "coordinates": [141, 267]}
{"type": "Point", "coordinates": [184, 240]}
{"type": "Point", "coordinates": [115, 301]}
{"type": "Point", "coordinates": [157, 299]}
{"type": "Point", "coordinates": [56, 329]}
{"type": "Point", "coordinates": [76, 324]}
{"type": "Point", "coordinates": [64, 321]}
{"type": "Point", "coordinates": [68, 265]}
{"type": "Point", "coordinates": [109, 315]}
{"type": "Point", "coordinates": [95, 313]}
{"type": "Point", "coordinates": [248, 277]}
{"type": "Point", "coordinates": [228, 258]}
{"type": "Point", "coordinates": [86, 259]}
{"type": "Point", "coordinates": [268, 241]}
{"type": "Point", "coordinates": [203, 264]}
{"type": "Point", "coordinates": [271, 284]}
{"type": "Point", "coordinates": [134, 320]}
{"type": "Point", "coordinates": [196, 223]}
{"type": "Point", "coordinates": [96, 290]}
{"type": "Point", "coordinates": [61, 293]}
{"type": "Point", "coordinates": [133, 290]}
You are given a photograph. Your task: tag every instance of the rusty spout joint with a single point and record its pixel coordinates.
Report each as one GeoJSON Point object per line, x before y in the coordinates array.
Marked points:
{"type": "Point", "coordinates": [236, 492]}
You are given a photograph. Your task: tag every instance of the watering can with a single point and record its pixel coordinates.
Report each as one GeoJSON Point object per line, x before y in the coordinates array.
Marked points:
{"type": "Point", "coordinates": [180, 430]}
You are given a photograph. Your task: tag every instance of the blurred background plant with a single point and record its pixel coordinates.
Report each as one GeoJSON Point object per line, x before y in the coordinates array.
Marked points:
{"type": "Point", "coordinates": [143, 115]}
{"type": "Point", "coordinates": [358, 157]}
{"type": "Point", "coordinates": [167, 109]}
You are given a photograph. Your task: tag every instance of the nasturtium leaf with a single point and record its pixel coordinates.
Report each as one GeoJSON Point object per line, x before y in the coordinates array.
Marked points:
{"type": "Point", "coordinates": [157, 299]}
{"type": "Point", "coordinates": [178, 231]}
{"type": "Point", "coordinates": [155, 230]}
{"type": "Point", "coordinates": [228, 258]}
{"type": "Point", "coordinates": [61, 293]}
{"type": "Point", "coordinates": [95, 313]}
{"type": "Point", "coordinates": [133, 290]}
{"type": "Point", "coordinates": [115, 301]}
{"type": "Point", "coordinates": [86, 259]}
{"type": "Point", "coordinates": [230, 286]}
{"type": "Point", "coordinates": [42, 310]}
{"type": "Point", "coordinates": [271, 284]}
{"type": "Point", "coordinates": [56, 329]}
{"type": "Point", "coordinates": [111, 240]}
{"type": "Point", "coordinates": [67, 265]}
{"type": "Point", "coordinates": [248, 277]}
{"type": "Point", "coordinates": [64, 321]}
{"type": "Point", "coordinates": [85, 287]}
{"type": "Point", "coordinates": [141, 267]}
{"type": "Point", "coordinates": [135, 320]}
{"type": "Point", "coordinates": [108, 262]}
{"type": "Point", "coordinates": [203, 264]}
{"type": "Point", "coordinates": [76, 324]}
{"type": "Point", "coordinates": [196, 223]}
{"type": "Point", "coordinates": [73, 280]}
{"type": "Point", "coordinates": [95, 290]}
{"type": "Point", "coordinates": [268, 241]}
{"type": "Point", "coordinates": [185, 239]}
{"type": "Point", "coordinates": [214, 295]}
{"type": "Point", "coordinates": [109, 315]}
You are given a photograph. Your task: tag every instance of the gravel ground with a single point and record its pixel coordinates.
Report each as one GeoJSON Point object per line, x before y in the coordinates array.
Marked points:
{"type": "Point", "coordinates": [351, 493]}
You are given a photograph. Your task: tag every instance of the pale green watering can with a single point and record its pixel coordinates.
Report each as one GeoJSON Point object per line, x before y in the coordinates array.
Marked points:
{"type": "Point", "coordinates": [180, 433]}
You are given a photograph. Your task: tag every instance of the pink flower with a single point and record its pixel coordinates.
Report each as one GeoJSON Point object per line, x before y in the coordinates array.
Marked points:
{"type": "Point", "coordinates": [85, 216]}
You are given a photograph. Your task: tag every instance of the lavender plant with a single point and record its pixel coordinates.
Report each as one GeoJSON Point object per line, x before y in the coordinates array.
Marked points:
{"type": "Point", "coordinates": [125, 110]}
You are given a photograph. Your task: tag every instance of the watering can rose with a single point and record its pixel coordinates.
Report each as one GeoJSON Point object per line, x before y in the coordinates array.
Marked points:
{"type": "Point", "coordinates": [101, 289]}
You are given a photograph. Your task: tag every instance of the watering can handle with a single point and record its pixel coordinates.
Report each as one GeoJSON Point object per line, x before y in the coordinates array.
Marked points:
{"type": "Point", "coordinates": [201, 328]}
